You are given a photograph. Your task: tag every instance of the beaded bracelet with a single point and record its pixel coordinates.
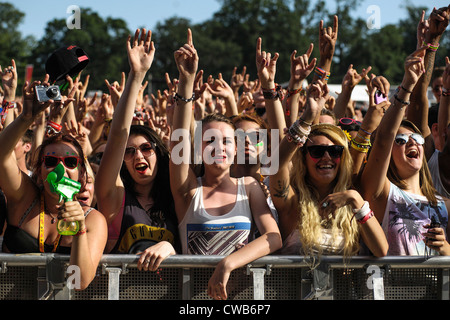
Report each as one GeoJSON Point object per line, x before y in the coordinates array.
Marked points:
{"type": "Point", "coordinates": [404, 103]}
{"type": "Point", "coordinates": [297, 133]}
{"type": "Point", "coordinates": [177, 97]}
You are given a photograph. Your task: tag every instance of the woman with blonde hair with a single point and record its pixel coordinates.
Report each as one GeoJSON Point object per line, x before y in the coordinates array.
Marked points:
{"type": "Point", "coordinates": [318, 212]}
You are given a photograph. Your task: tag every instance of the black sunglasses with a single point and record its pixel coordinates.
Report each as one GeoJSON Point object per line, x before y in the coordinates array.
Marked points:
{"type": "Point", "coordinates": [70, 162]}
{"type": "Point", "coordinates": [146, 150]}
{"type": "Point", "coordinates": [318, 152]}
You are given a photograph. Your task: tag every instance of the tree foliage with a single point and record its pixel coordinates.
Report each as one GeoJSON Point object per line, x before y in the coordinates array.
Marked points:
{"type": "Point", "coordinates": [226, 40]}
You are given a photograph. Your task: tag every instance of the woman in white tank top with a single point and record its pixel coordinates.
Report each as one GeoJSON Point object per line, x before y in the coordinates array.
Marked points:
{"type": "Point", "coordinates": [214, 208]}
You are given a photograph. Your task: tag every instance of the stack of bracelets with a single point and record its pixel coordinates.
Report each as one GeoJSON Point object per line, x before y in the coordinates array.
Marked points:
{"type": "Point", "coordinates": [432, 47]}
{"type": "Point", "coordinates": [363, 145]}
{"type": "Point", "coordinates": [297, 133]}
{"type": "Point", "coordinates": [6, 105]}
{"type": "Point", "coordinates": [322, 74]}
{"type": "Point", "coordinates": [445, 92]}
{"type": "Point", "coordinates": [273, 94]}
{"type": "Point", "coordinates": [53, 128]}
{"type": "Point", "coordinates": [363, 214]}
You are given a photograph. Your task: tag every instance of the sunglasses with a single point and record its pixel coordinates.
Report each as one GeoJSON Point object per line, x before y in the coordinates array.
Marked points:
{"type": "Point", "coordinates": [349, 121]}
{"type": "Point", "coordinates": [96, 158]}
{"type": "Point", "coordinates": [147, 149]}
{"type": "Point", "coordinates": [402, 138]}
{"type": "Point", "coordinates": [254, 137]}
{"type": "Point", "coordinates": [318, 152]}
{"type": "Point", "coordinates": [70, 162]}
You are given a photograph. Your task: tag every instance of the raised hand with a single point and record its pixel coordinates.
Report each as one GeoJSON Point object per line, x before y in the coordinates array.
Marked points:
{"type": "Point", "coordinates": [438, 22]}
{"type": "Point", "coordinates": [266, 66]}
{"type": "Point", "coordinates": [415, 66]}
{"type": "Point", "coordinates": [352, 77]}
{"type": "Point", "coordinates": [327, 39]}
{"type": "Point", "coordinates": [301, 68]}
{"type": "Point", "coordinates": [187, 59]}
{"type": "Point", "coordinates": [142, 52]}
{"type": "Point", "coordinates": [116, 89]}
{"type": "Point", "coordinates": [9, 80]}
{"type": "Point", "coordinates": [31, 106]}
{"type": "Point", "coordinates": [422, 30]}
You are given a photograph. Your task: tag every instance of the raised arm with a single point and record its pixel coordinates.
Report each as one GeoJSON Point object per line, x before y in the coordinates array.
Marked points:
{"type": "Point", "coordinates": [13, 183]}
{"type": "Point", "coordinates": [301, 68]}
{"type": "Point", "coordinates": [9, 84]}
{"type": "Point", "coordinates": [182, 179]}
{"type": "Point", "coordinates": [418, 109]}
{"type": "Point", "coordinates": [327, 45]}
{"type": "Point", "coordinates": [108, 185]}
{"type": "Point", "coordinates": [374, 180]}
{"type": "Point", "coordinates": [444, 108]}
{"type": "Point", "coordinates": [351, 79]}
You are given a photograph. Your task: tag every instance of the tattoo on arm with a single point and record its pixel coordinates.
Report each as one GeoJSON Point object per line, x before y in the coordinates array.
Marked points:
{"type": "Point", "coordinates": [282, 190]}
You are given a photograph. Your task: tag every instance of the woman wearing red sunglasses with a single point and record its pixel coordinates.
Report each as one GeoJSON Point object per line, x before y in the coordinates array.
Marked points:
{"type": "Point", "coordinates": [318, 210]}
{"type": "Point", "coordinates": [397, 181]}
{"type": "Point", "coordinates": [33, 208]}
{"type": "Point", "coordinates": [132, 182]}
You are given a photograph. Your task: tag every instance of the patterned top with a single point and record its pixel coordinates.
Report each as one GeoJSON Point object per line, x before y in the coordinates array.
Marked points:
{"type": "Point", "coordinates": [404, 218]}
{"type": "Point", "coordinates": [201, 233]}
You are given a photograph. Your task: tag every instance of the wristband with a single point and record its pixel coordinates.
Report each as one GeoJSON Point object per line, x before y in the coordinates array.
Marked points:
{"type": "Point", "coordinates": [80, 232]}
{"type": "Point", "coordinates": [273, 94]}
{"type": "Point", "coordinates": [8, 104]}
{"type": "Point", "coordinates": [405, 103]}
{"type": "Point", "coordinates": [177, 97]}
{"type": "Point", "coordinates": [432, 47]}
{"type": "Point", "coordinates": [366, 217]}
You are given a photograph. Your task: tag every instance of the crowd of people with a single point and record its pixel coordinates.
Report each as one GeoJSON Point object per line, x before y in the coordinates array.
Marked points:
{"type": "Point", "coordinates": [183, 171]}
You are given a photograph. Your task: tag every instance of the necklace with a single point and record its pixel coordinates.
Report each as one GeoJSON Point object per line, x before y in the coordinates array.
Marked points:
{"type": "Point", "coordinates": [50, 214]}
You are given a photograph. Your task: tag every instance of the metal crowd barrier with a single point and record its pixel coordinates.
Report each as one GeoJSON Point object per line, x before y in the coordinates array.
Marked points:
{"type": "Point", "coordinates": [185, 277]}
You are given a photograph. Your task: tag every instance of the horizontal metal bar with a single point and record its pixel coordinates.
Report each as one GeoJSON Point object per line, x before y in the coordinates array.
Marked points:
{"type": "Point", "coordinates": [276, 261]}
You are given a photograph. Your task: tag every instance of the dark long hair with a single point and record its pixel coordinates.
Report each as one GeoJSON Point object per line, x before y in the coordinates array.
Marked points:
{"type": "Point", "coordinates": [160, 192]}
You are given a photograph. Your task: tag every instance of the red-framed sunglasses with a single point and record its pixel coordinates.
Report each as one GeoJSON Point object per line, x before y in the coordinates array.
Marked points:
{"type": "Point", "coordinates": [349, 121]}
{"type": "Point", "coordinates": [70, 162]}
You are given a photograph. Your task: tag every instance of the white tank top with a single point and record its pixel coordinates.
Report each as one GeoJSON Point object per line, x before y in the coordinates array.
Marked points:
{"type": "Point", "coordinates": [204, 234]}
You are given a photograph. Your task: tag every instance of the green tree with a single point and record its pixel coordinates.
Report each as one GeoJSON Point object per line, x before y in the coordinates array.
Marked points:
{"type": "Point", "coordinates": [12, 44]}
{"type": "Point", "coordinates": [102, 39]}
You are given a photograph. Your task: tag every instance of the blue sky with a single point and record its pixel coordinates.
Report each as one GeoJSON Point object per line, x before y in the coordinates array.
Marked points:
{"type": "Point", "coordinates": [139, 13]}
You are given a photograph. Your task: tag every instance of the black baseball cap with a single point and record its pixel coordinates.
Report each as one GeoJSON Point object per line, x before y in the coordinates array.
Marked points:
{"type": "Point", "coordinates": [65, 61]}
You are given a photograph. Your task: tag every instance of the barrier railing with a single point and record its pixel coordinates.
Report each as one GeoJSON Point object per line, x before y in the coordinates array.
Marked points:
{"type": "Point", "coordinates": [185, 277]}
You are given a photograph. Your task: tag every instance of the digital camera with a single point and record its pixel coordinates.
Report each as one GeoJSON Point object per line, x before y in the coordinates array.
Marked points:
{"type": "Point", "coordinates": [44, 93]}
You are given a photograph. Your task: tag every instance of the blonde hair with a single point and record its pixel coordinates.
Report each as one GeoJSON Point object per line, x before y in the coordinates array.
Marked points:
{"type": "Point", "coordinates": [310, 224]}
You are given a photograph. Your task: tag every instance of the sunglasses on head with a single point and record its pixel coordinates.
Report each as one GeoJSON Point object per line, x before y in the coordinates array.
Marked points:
{"type": "Point", "coordinates": [403, 138]}
{"type": "Point", "coordinates": [70, 162]}
{"type": "Point", "coordinates": [318, 152]}
{"type": "Point", "coordinates": [146, 149]}
{"type": "Point", "coordinates": [349, 121]}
